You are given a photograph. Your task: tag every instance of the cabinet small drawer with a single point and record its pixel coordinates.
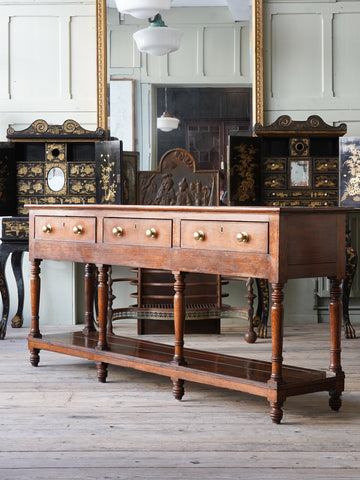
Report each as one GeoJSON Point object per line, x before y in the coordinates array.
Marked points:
{"type": "Point", "coordinates": [274, 164]}
{"type": "Point", "coordinates": [72, 229]}
{"type": "Point", "coordinates": [325, 165]}
{"type": "Point", "coordinates": [275, 181]}
{"type": "Point", "coordinates": [233, 236]}
{"type": "Point", "coordinates": [325, 181]}
{"type": "Point", "coordinates": [138, 231]}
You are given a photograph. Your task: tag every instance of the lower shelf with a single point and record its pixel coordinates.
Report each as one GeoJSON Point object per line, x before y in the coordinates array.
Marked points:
{"type": "Point", "coordinates": [210, 368]}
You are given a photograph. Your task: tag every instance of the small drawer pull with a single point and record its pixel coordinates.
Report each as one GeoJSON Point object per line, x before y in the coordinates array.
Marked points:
{"type": "Point", "coordinates": [117, 231]}
{"type": "Point", "coordinates": [242, 237]}
{"type": "Point", "coordinates": [199, 235]}
{"type": "Point", "coordinates": [78, 230]}
{"type": "Point", "coordinates": [47, 228]}
{"type": "Point", "coordinates": [151, 233]}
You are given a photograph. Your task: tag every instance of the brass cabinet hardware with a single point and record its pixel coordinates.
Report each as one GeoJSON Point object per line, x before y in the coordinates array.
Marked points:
{"type": "Point", "coordinates": [117, 231]}
{"type": "Point", "coordinates": [151, 233]}
{"type": "Point", "coordinates": [199, 235]}
{"type": "Point", "coordinates": [47, 228]}
{"type": "Point", "coordinates": [242, 237]}
{"type": "Point", "coordinates": [78, 230]}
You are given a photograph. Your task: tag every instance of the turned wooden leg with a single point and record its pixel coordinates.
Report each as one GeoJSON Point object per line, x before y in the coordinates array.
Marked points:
{"type": "Point", "coordinates": [102, 301]}
{"type": "Point", "coordinates": [35, 298]}
{"type": "Point", "coordinates": [101, 369]}
{"type": "Point", "coordinates": [179, 325]}
{"type": "Point", "coordinates": [250, 336]}
{"type": "Point", "coordinates": [35, 304]}
{"type": "Point", "coordinates": [335, 310]}
{"type": "Point", "coordinates": [277, 327]}
{"type": "Point", "coordinates": [89, 298]}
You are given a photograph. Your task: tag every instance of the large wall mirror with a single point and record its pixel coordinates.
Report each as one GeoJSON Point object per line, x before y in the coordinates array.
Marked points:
{"type": "Point", "coordinates": [256, 46]}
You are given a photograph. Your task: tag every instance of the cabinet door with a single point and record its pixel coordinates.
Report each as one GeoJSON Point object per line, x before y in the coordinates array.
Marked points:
{"type": "Point", "coordinates": [7, 179]}
{"type": "Point", "coordinates": [243, 172]}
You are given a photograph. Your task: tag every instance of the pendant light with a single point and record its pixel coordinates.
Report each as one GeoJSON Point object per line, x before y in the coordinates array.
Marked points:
{"type": "Point", "coordinates": [158, 39]}
{"type": "Point", "coordinates": [167, 123]}
{"type": "Point", "coordinates": [142, 8]}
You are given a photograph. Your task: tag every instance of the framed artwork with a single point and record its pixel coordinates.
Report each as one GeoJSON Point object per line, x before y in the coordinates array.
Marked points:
{"type": "Point", "coordinates": [349, 151]}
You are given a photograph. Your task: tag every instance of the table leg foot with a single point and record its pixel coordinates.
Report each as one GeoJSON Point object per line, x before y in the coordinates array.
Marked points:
{"type": "Point", "coordinates": [34, 357]}
{"type": "Point", "coordinates": [178, 388]}
{"type": "Point", "coordinates": [101, 371]}
{"type": "Point", "coordinates": [276, 412]}
{"type": "Point", "coordinates": [17, 321]}
{"type": "Point", "coordinates": [335, 400]}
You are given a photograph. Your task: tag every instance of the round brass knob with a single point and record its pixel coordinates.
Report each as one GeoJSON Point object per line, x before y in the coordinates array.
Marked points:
{"type": "Point", "coordinates": [151, 233]}
{"type": "Point", "coordinates": [117, 231]}
{"type": "Point", "coordinates": [47, 228]}
{"type": "Point", "coordinates": [199, 235]}
{"type": "Point", "coordinates": [242, 237]}
{"type": "Point", "coordinates": [78, 229]}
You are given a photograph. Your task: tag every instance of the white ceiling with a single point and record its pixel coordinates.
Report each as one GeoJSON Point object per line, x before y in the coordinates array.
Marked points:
{"type": "Point", "coordinates": [238, 8]}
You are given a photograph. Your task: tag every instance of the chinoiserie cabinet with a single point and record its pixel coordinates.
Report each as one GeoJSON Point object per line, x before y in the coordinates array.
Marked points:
{"type": "Point", "coordinates": [55, 164]}
{"type": "Point", "coordinates": [290, 163]}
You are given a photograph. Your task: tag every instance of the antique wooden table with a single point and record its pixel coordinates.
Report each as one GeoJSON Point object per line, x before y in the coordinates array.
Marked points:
{"type": "Point", "coordinates": [261, 242]}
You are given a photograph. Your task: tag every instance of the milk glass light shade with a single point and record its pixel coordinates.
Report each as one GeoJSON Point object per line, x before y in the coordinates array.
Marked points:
{"type": "Point", "coordinates": [142, 8]}
{"type": "Point", "coordinates": [166, 122]}
{"type": "Point", "coordinates": [158, 39]}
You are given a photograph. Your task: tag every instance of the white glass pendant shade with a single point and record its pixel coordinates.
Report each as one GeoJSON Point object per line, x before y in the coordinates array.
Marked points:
{"type": "Point", "coordinates": [166, 122]}
{"type": "Point", "coordinates": [158, 39]}
{"type": "Point", "coordinates": [142, 8]}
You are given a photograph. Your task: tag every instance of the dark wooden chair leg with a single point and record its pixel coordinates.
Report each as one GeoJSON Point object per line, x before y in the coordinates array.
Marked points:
{"type": "Point", "coordinates": [250, 335]}
{"type": "Point", "coordinates": [351, 265]}
{"type": "Point", "coordinates": [16, 263]}
{"type": "Point", "coordinates": [4, 253]}
{"type": "Point", "coordinates": [263, 300]}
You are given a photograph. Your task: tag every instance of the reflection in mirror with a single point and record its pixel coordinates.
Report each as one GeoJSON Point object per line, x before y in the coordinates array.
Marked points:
{"type": "Point", "coordinates": [56, 179]}
{"type": "Point", "coordinates": [176, 69]}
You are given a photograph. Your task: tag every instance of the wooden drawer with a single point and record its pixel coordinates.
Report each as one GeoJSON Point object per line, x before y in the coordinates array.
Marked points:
{"type": "Point", "coordinates": [330, 165]}
{"type": "Point", "coordinates": [275, 181]}
{"type": "Point", "coordinates": [223, 235]}
{"type": "Point", "coordinates": [274, 164]}
{"type": "Point", "coordinates": [72, 229]}
{"type": "Point", "coordinates": [138, 231]}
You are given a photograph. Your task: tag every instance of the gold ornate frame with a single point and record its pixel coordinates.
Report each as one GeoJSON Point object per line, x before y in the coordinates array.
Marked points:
{"type": "Point", "coordinates": [257, 67]}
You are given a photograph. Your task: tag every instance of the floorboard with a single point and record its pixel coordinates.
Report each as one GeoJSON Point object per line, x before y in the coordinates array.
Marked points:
{"type": "Point", "coordinates": [58, 421]}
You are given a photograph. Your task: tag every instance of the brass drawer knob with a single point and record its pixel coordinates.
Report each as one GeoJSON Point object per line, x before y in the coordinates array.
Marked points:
{"type": "Point", "coordinates": [199, 235]}
{"type": "Point", "coordinates": [117, 231]}
{"type": "Point", "coordinates": [242, 237]}
{"type": "Point", "coordinates": [78, 230]}
{"type": "Point", "coordinates": [47, 228]}
{"type": "Point", "coordinates": [151, 233]}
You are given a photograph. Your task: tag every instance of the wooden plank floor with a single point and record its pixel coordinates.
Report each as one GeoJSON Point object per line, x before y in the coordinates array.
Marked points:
{"type": "Point", "coordinates": [58, 422]}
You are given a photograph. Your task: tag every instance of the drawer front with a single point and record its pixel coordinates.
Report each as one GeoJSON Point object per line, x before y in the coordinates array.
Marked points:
{"type": "Point", "coordinates": [254, 236]}
{"type": "Point", "coordinates": [138, 231]}
{"type": "Point", "coordinates": [275, 164]}
{"type": "Point", "coordinates": [275, 181]}
{"type": "Point", "coordinates": [330, 165]}
{"type": "Point", "coordinates": [72, 229]}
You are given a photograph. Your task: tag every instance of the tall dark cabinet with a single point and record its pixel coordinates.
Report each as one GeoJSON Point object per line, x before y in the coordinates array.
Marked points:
{"type": "Point", "coordinates": [54, 164]}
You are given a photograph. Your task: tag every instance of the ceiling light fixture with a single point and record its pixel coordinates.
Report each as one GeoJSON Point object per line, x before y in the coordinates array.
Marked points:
{"type": "Point", "coordinates": [167, 123]}
{"type": "Point", "coordinates": [158, 39]}
{"type": "Point", "coordinates": [142, 8]}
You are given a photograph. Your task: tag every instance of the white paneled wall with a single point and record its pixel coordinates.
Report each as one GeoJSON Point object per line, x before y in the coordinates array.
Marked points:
{"type": "Point", "coordinates": [47, 62]}
{"type": "Point", "coordinates": [311, 60]}
{"type": "Point", "coordinates": [47, 70]}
